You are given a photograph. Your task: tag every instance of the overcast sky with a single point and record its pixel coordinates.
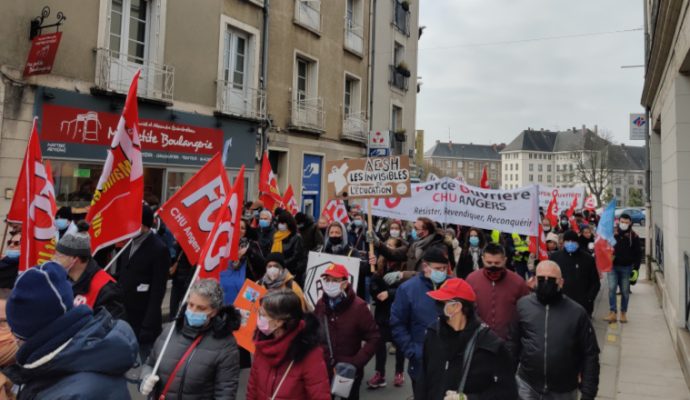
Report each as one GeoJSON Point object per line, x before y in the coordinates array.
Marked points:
{"type": "Point", "coordinates": [489, 94]}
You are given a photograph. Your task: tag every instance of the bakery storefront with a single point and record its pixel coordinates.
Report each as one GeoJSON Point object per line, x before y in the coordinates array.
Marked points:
{"type": "Point", "coordinates": [77, 129]}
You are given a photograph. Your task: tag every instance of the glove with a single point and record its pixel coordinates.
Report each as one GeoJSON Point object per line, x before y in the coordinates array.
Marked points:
{"type": "Point", "coordinates": [392, 277]}
{"type": "Point", "coordinates": [372, 238]}
{"type": "Point", "coordinates": [147, 384]}
{"type": "Point", "coordinates": [453, 395]}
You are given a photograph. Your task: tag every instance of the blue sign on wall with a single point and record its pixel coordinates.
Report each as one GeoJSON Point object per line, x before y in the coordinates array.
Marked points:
{"type": "Point", "coordinates": [311, 184]}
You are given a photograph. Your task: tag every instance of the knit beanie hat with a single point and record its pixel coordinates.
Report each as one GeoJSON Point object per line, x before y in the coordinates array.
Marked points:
{"type": "Point", "coordinates": [41, 295]}
{"type": "Point", "coordinates": [570, 236]}
{"type": "Point", "coordinates": [276, 258]}
{"type": "Point", "coordinates": [76, 244]}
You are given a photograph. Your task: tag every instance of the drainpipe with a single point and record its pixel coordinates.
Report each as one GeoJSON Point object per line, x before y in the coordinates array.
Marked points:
{"type": "Point", "coordinates": [648, 173]}
{"type": "Point", "coordinates": [264, 75]}
{"type": "Point", "coordinates": [372, 62]}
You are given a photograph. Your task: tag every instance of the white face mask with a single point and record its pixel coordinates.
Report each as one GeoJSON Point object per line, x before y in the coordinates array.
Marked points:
{"type": "Point", "coordinates": [282, 227]}
{"type": "Point", "coordinates": [624, 226]}
{"type": "Point", "coordinates": [332, 289]}
{"type": "Point", "coordinates": [272, 273]}
{"type": "Point", "coordinates": [395, 233]}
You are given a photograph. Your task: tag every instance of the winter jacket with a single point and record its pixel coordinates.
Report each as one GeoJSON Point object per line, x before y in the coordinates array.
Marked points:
{"type": "Point", "coordinates": [294, 256]}
{"type": "Point", "coordinates": [357, 237]}
{"type": "Point", "coordinates": [412, 312]}
{"type": "Point", "coordinates": [9, 269]}
{"type": "Point", "coordinates": [490, 375]}
{"type": "Point", "coordinates": [97, 352]}
{"type": "Point", "coordinates": [382, 311]}
{"type": "Point", "coordinates": [628, 249]}
{"type": "Point", "coordinates": [554, 345]}
{"type": "Point", "coordinates": [265, 239]}
{"type": "Point", "coordinates": [417, 249]}
{"type": "Point", "coordinates": [497, 300]}
{"type": "Point", "coordinates": [466, 264]}
{"type": "Point", "coordinates": [580, 275]}
{"type": "Point", "coordinates": [143, 277]}
{"type": "Point", "coordinates": [312, 238]}
{"type": "Point", "coordinates": [110, 295]}
{"type": "Point", "coordinates": [289, 283]}
{"type": "Point", "coordinates": [584, 244]}
{"type": "Point", "coordinates": [349, 324]}
{"type": "Point", "coordinates": [346, 250]}
{"type": "Point", "coordinates": [307, 378]}
{"type": "Point", "coordinates": [212, 369]}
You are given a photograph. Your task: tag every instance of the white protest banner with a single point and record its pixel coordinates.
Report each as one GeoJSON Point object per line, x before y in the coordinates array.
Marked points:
{"type": "Point", "coordinates": [453, 202]}
{"type": "Point", "coordinates": [317, 264]}
{"type": "Point", "coordinates": [564, 196]}
{"type": "Point", "coordinates": [369, 177]}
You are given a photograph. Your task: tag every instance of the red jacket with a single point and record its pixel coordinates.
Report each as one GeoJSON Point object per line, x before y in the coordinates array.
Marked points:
{"type": "Point", "coordinates": [349, 324]}
{"type": "Point", "coordinates": [307, 378]}
{"type": "Point", "coordinates": [497, 301]}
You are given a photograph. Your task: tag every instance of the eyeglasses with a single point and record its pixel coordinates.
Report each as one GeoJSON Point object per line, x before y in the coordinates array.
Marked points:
{"type": "Point", "coordinates": [14, 242]}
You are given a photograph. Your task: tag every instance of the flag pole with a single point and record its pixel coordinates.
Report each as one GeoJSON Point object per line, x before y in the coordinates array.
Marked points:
{"type": "Point", "coordinates": [4, 236]}
{"type": "Point", "coordinates": [119, 253]}
{"type": "Point", "coordinates": [371, 233]}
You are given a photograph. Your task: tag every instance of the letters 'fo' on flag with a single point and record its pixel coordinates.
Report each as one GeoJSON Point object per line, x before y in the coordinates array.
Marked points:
{"type": "Point", "coordinates": [37, 208]}
{"type": "Point", "coordinates": [223, 241]}
{"type": "Point", "coordinates": [116, 207]}
{"type": "Point", "coordinates": [605, 240]}
{"type": "Point", "coordinates": [268, 185]}
{"type": "Point", "coordinates": [552, 210]}
{"type": "Point", "coordinates": [335, 211]}
{"type": "Point", "coordinates": [571, 216]}
{"type": "Point", "coordinates": [192, 211]}
{"type": "Point", "coordinates": [484, 182]}
{"type": "Point", "coordinates": [289, 202]}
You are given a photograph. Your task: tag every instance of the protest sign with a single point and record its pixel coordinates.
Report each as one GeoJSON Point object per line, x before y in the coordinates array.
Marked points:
{"type": "Point", "coordinates": [564, 196]}
{"type": "Point", "coordinates": [317, 264]}
{"type": "Point", "coordinates": [369, 177]}
{"type": "Point", "coordinates": [247, 303]}
{"type": "Point", "coordinates": [453, 202]}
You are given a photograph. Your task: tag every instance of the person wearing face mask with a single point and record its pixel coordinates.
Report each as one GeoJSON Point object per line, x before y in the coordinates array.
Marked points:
{"type": "Point", "coordinates": [563, 224]}
{"type": "Point", "coordinates": [288, 242]}
{"type": "Point", "coordinates": [579, 272]}
{"type": "Point", "coordinates": [461, 351]}
{"type": "Point", "coordinates": [63, 221]}
{"type": "Point", "coordinates": [9, 263]}
{"type": "Point", "coordinates": [546, 225]}
{"type": "Point", "coordinates": [352, 332]}
{"type": "Point", "coordinates": [627, 255]}
{"type": "Point", "coordinates": [90, 283]}
{"type": "Point", "coordinates": [451, 236]}
{"type": "Point", "coordinates": [413, 311]}
{"type": "Point", "coordinates": [396, 254]}
{"type": "Point", "coordinates": [211, 370]}
{"type": "Point", "coordinates": [586, 240]}
{"type": "Point", "coordinates": [498, 290]}
{"type": "Point", "coordinates": [289, 362]}
{"type": "Point", "coordinates": [265, 232]}
{"type": "Point", "coordinates": [357, 231]}
{"type": "Point", "coordinates": [278, 277]}
{"type": "Point", "coordinates": [337, 243]}
{"type": "Point", "coordinates": [553, 342]}
{"type": "Point", "coordinates": [471, 254]}
{"type": "Point", "coordinates": [312, 237]}
{"type": "Point", "coordinates": [552, 241]}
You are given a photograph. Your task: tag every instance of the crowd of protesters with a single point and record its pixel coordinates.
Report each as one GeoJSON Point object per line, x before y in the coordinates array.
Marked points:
{"type": "Point", "coordinates": [473, 313]}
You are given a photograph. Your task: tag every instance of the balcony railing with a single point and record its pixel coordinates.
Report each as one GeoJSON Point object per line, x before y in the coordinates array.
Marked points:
{"type": "Point", "coordinates": [398, 78]}
{"type": "Point", "coordinates": [308, 113]}
{"type": "Point", "coordinates": [401, 17]}
{"type": "Point", "coordinates": [245, 102]}
{"type": "Point", "coordinates": [115, 71]}
{"type": "Point", "coordinates": [354, 36]}
{"type": "Point", "coordinates": [355, 127]}
{"type": "Point", "coordinates": [308, 14]}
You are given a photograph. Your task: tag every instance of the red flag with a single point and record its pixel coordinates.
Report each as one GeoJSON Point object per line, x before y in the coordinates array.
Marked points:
{"type": "Point", "coordinates": [571, 216]}
{"type": "Point", "coordinates": [191, 212]}
{"type": "Point", "coordinates": [484, 182]}
{"type": "Point", "coordinates": [538, 246]}
{"type": "Point", "coordinates": [268, 185]}
{"type": "Point", "coordinates": [552, 211]}
{"type": "Point", "coordinates": [115, 212]}
{"type": "Point", "coordinates": [222, 243]}
{"type": "Point", "coordinates": [38, 218]}
{"type": "Point", "coordinates": [335, 211]}
{"type": "Point", "coordinates": [289, 202]}
{"type": "Point", "coordinates": [590, 203]}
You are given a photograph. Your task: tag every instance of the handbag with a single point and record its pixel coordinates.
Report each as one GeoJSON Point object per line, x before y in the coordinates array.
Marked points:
{"type": "Point", "coordinates": [467, 357]}
{"type": "Point", "coordinates": [344, 373]}
{"type": "Point", "coordinates": [186, 355]}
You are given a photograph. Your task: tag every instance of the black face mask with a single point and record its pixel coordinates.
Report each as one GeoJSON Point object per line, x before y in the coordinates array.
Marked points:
{"type": "Point", "coordinates": [548, 290]}
{"type": "Point", "coordinates": [335, 240]}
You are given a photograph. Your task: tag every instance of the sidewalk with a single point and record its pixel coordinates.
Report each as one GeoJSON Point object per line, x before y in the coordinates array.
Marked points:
{"type": "Point", "coordinates": [638, 360]}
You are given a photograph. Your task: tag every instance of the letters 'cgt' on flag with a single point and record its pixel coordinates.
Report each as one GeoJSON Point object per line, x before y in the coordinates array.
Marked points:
{"type": "Point", "coordinates": [590, 203]}
{"type": "Point", "coordinates": [37, 207]}
{"type": "Point", "coordinates": [223, 241]}
{"type": "Point", "coordinates": [605, 240]}
{"type": "Point", "coordinates": [289, 202]}
{"type": "Point", "coordinates": [571, 216]}
{"type": "Point", "coordinates": [552, 210]}
{"type": "Point", "coordinates": [115, 212]}
{"type": "Point", "coordinates": [335, 211]}
{"type": "Point", "coordinates": [191, 212]}
{"type": "Point", "coordinates": [484, 182]}
{"type": "Point", "coordinates": [537, 245]}
{"type": "Point", "coordinates": [268, 185]}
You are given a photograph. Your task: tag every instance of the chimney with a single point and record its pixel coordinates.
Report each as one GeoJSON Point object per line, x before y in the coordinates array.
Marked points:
{"type": "Point", "coordinates": [574, 130]}
{"type": "Point", "coordinates": [542, 129]}
{"type": "Point", "coordinates": [596, 129]}
{"type": "Point", "coordinates": [584, 128]}
{"type": "Point", "coordinates": [438, 142]}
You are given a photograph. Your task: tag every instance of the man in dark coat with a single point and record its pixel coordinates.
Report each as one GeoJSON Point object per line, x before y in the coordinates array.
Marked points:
{"type": "Point", "coordinates": [580, 275]}
{"type": "Point", "coordinates": [9, 263]}
{"type": "Point", "coordinates": [142, 272]}
{"type": "Point", "coordinates": [627, 255]}
{"type": "Point", "coordinates": [312, 238]}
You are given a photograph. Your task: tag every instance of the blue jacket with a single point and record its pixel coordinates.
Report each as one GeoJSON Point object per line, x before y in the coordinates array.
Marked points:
{"type": "Point", "coordinates": [231, 280]}
{"type": "Point", "coordinates": [97, 352]}
{"type": "Point", "coordinates": [412, 312]}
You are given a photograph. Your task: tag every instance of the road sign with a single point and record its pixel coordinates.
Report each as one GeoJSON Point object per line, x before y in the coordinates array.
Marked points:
{"type": "Point", "coordinates": [638, 126]}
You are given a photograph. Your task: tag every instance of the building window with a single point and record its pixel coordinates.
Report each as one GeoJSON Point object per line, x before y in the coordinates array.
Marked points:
{"type": "Point", "coordinates": [531, 167]}
{"type": "Point", "coordinates": [459, 164]}
{"type": "Point", "coordinates": [539, 178]}
{"type": "Point", "coordinates": [505, 177]}
{"type": "Point", "coordinates": [516, 166]}
{"type": "Point", "coordinates": [639, 180]}
{"type": "Point", "coordinates": [308, 14]}
{"type": "Point", "coordinates": [531, 177]}
{"type": "Point", "coordinates": [305, 78]}
{"type": "Point", "coordinates": [449, 164]}
{"type": "Point", "coordinates": [548, 168]}
{"type": "Point", "coordinates": [401, 16]}
{"type": "Point", "coordinates": [493, 166]}
{"type": "Point", "coordinates": [354, 26]}
{"type": "Point", "coordinates": [129, 21]}
{"type": "Point", "coordinates": [471, 175]}
{"type": "Point", "coordinates": [540, 168]}
{"type": "Point", "coordinates": [352, 99]}
{"type": "Point", "coordinates": [397, 128]}
{"type": "Point", "coordinates": [618, 192]}
{"type": "Point", "coordinates": [631, 179]}
{"type": "Point", "coordinates": [471, 165]}
{"type": "Point", "coordinates": [548, 178]}
{"type": "Point", "coordinates": [307, 110]}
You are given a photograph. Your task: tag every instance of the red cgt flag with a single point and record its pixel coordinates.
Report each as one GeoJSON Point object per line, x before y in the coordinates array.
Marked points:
{"type": "Point", "coordinates": [289, 202]}
{"type": "Point", "coordinates": [552, 211]}
{"type": "Point", "coordinates": [115, 213]}
{"type": "Point", "coordinates": [191, 212]}
{"type": "Point", "coordinates": [335, 211]}
{"type": "Point", "coordinates": [484, 182]}
{"type": "Point", "coordinates": [571, 216]}
{"type": "Point", "coordinates": [268, 185]}
{"type": "Point", "coordinates": [38, 206]}
{"type": "Point", "coordinates": [538, 246]}
{"type": "Point", "coordinates": [223, 241]}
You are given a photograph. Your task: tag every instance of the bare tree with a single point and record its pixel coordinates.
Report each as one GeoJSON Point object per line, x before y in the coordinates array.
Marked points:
{"type": "Point", "coordinates": [592, 166]}
{"type": "Point", "coordinates": [429, 168]}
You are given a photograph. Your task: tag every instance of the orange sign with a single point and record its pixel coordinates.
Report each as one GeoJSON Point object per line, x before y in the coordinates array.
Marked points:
{"type": "Point", "coordinates": [247, 303]}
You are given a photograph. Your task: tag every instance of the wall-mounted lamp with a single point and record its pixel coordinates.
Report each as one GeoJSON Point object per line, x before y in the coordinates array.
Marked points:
{"type": "Point", "coordinates": [9, 193]}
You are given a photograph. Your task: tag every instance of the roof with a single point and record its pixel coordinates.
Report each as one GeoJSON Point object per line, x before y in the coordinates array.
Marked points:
{"type": "Point", "coordinates": [530, 140]}
{"type": "Point", "coordinates": [465, 151]}
{"type": "Point", "coordinates": [548, 141]}
{"type": "Point", "coordinates": [630, 158]}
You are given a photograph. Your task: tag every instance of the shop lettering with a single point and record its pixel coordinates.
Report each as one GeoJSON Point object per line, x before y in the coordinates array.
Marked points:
{"type": "Point", "coordinates": [197, 145]}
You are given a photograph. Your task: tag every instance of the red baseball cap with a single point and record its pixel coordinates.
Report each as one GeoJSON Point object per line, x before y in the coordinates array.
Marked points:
{"type": "Point", "coordinates": [336, 271]}
{"type": "Point", "coordinates": [453, 288]}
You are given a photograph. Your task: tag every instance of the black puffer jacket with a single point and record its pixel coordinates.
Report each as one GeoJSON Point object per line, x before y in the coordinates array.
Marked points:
{"type": "Point", "coordinates": [110, 296]}
{"type": "Point", "coordinates": [211, 371]}
{"type": "Point", "coordinates": [580, 275]}
{"type": "Point", "coordinates": [312, 237]}
{"type": "Point", "coordinates": [294, 256]}
{"type": "Point", "coordinates": [560, 335]}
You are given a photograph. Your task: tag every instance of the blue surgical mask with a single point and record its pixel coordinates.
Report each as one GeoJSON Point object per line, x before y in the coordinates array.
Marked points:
{"type": "Point", "coordinates": [61, 223]}
{"type": "Point", "coordinates": [357, 222]}
{"type": "Point", "coordinates": [438, 277]}
{"type": "Point", "coordinates": [12, 254]}
{"type": "Point", "coordinates": [474, 241]}
{"type": "Point", "coordinates": [264, 223]}
{"type": "Point", "coordinates": [413, 235]}
{"type": "Point", "coordinates": [195, 319]}
{"type": "Point", "coordinates": [571, 246]}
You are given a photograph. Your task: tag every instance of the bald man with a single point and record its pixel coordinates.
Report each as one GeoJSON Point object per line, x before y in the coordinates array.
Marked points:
{"type": "Point", "coordinates": [553, 342]}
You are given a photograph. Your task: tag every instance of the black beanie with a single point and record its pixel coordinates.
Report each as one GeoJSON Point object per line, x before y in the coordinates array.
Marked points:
{"type": "Point", "coordinates": [570, 236]}
{"type": "Point", "coordinates": [277, 258]}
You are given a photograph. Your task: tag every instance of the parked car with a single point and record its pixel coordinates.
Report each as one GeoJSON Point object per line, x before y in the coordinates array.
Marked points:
{"type": "Point", "coordinates": [638, 215]}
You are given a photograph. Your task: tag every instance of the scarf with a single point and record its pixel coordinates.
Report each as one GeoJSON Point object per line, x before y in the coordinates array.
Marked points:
{"type": "Point", "coordinates": [420, 245]}
{"type": "Point", "coordinates": [278, 282]}
{"type": "Point", "coordinates": [278, 238]}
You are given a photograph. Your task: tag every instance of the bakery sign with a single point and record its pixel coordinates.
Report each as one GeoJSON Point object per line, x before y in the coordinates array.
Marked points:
{"type": "Point", "coordinates": [78, 133]}
{"type": "Point", "coordinates": [42, 54]}
{"type": "Point", "coordinates": [369, 177]}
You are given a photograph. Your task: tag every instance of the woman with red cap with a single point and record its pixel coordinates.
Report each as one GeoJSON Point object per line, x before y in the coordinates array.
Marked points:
{"type": "Point", "coordinates": [462, 358]}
